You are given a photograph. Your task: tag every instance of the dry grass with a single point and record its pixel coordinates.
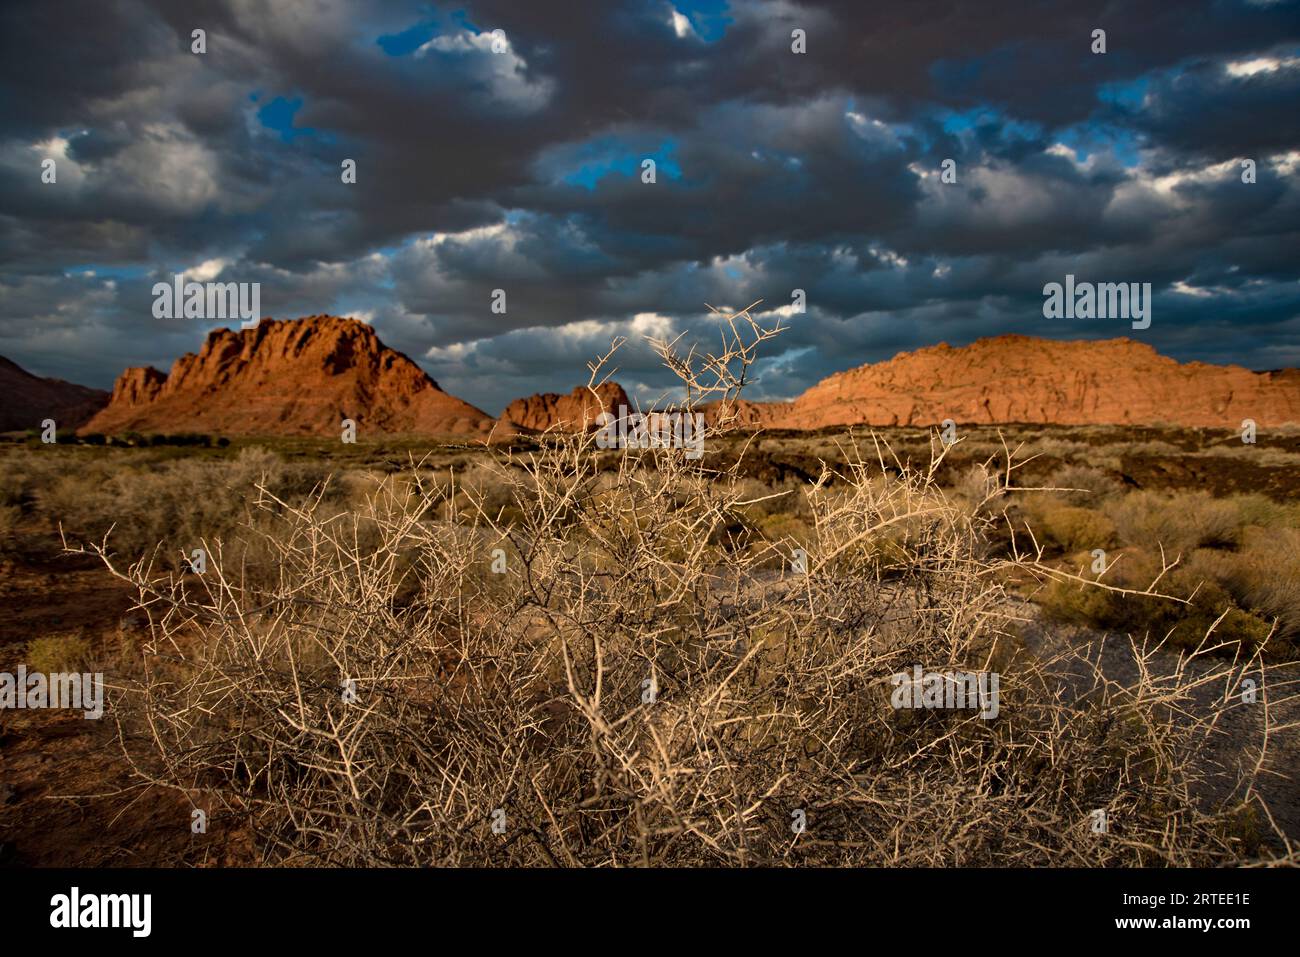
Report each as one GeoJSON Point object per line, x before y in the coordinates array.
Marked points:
{"type": "Point", "coordinates": [1084, 485]}
{"type": "Point", "coordinates": [174, 506]}
{"type": "Point", "coordinates": [10, 515]}
{"type": "Point", "coordinates": [1265, 574]}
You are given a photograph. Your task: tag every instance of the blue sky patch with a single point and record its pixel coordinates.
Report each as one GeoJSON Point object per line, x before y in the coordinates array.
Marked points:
{"type": "Point", "coordinates": [1128, 94]}
{"type": "Point", "coordinates": [610, 156]}
{"type": "Point", "coordinates": [1089, 138]}
{"type": "Point", "coordinates": [409, 40]}
{"type": "Point", "coordinates": [278, 116]}
{"type": "Point", "coordinates": [708, 17]}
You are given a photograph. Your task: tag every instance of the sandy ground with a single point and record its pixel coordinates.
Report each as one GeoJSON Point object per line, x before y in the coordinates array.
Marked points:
{"type": "Point", "coordinates": [67, 796]}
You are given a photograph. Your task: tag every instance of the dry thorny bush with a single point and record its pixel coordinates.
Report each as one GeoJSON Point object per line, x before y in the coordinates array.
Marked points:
{"type": "Point", "coordinates": [646, 684]}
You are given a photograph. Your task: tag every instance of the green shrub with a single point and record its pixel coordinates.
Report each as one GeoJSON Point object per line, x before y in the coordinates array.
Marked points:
{"type": "Point", "coordinates": [785, 529]}
{"type": "Point", "coordinates": [1074, 529]}
{"type": "Point", "coordinates": [1078, 603]}
{"type": "Point", "coordinates": [1256, 509]}
{"type": "Point", "coordinates": [1185, 624]}
{"type": "Point", "coordinates": [52, 654]}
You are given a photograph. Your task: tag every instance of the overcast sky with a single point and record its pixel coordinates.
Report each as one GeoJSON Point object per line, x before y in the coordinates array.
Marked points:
{"type": "Point", "coordinates": [520, 169]}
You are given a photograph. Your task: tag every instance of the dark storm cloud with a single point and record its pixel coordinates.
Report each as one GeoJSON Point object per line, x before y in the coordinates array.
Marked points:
{"type": "Point", "coordinates": [520, 169]}
{"type": "Point", "coordinates": [1208, 112]}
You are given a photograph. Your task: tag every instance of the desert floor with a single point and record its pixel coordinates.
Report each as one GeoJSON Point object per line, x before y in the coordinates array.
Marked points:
{"type": "Point", "coordinates": [1229, 513]}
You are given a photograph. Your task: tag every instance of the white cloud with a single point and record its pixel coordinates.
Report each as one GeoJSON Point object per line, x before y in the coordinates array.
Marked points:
{"type": "Point", "coordinates": [206, 270]}
{"type": "Point", "coordinates": [1263, 64]}
{"type": "Point", "coordinates": [1166, 185]}
{"type": "Point", "coordinates": [505, 73]}
{"type": "Point", "coordinates": [871, 129]}
{"type": "Point", "coordinates": [495, 232]}
{"type": "Point", "coordinates": [67, 171]}
{"type": "Point", "coordinates": [681, 24]}
{"type": "Point", "coordinates": [1184, 289]}
{"type": "Point", "coordinates": [167, 168]}
{"type": "Point", "coordinates": [889, 257]}
{"type": "Point", "coordinates": [1066, 152]}
{"type": "Point", "coordinates": [1286, 163]}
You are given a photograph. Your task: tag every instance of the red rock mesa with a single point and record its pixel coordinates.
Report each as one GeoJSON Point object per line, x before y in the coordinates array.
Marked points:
{"type": "Point", "coordinates": [1026, 379]}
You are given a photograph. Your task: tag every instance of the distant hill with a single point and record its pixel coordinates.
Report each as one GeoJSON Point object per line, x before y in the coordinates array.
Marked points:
{"type": "Point", "coordinates": [26, 400]}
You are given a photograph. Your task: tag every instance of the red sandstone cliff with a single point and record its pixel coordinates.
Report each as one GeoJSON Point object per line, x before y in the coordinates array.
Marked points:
{"type": "Point", "coordinates": [574, 412]}
{"type": "Point", "coordinates": [305, 376]}
{"type": "Point", "coordinates": [1025, 379]}
{"type": "Point", "coordinates": [294, 377]}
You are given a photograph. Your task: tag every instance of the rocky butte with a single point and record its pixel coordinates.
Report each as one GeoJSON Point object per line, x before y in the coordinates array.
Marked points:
{"type": "Point", "coordinates": [295, 377]}
{"type": "Point", "coordinates": [1016, 378]}
{"type": "Point", "coordinates": [575, 412]}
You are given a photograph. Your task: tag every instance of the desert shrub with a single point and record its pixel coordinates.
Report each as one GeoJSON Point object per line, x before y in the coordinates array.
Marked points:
{"type": "Point", "coordinates": [978, 486]}
{"type": "Point", "coordinates": [1083, 485]}
{"type": "Point", "coordinates": [1203, 607]}
{"type": "Point", "coordinates": [1072, 601]}
{"type": "Point", "coordinates": [1253, 586]}
{"type": "Point", "coordinates": [628, 693]}
{"type": "Point", "coordinates": [59, 653]}
{"type": "Point", "coordinates": [780, 498]}
{"type": "Point", "coordinates": [1264, 576]}
{"type": "Point", "coordinates": [1180, 522]}
{"type": "Point", "coordinates": [11, 486]}
{"type": "Point", "coordinates": [788, 529]}
{"type": "Point", "coordinates": [24, 471]}
{"type": "Point", "coordinates": [1256, 509]}
{"type": "Point", "coordinates": [1067, 449]}
{"type": "Point", "coordinates": [485, 493]}
{"type": "Point", "coordinates": [1155, 448]}
{"type": "Point", "coordinates": [1074, 529]}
